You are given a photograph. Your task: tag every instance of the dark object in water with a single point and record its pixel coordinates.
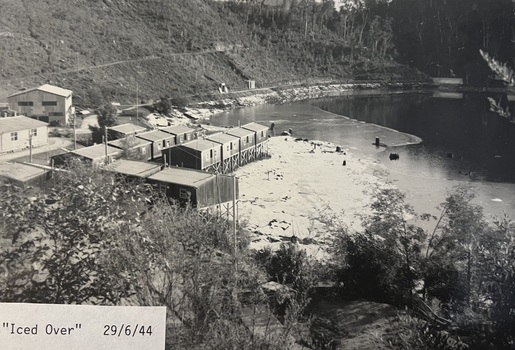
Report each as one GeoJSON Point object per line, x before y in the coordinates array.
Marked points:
{"type": "Point", "coordinates": [344, 163]}
{"type": "Point", "coordinates": [377, 141]}
{"type": "Point", "coordinates": [298, 139]}
{"type": "Point", "coordinates": [338, 149]}
{"type": "Point", "coordinates": [306, 140]}
{"type": "Point", "coordinates": [394, 156]}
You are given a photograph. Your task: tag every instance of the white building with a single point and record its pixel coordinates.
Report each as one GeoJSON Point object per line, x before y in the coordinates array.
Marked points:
{"type": "Point", "coordinates": [47, 103]}
{"type": "Point", "coordinates": [16, 133]}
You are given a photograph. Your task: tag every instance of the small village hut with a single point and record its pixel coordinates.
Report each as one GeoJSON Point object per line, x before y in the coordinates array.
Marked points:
{"type": "Point", "coordinates": [260, 138]}
{"type": "Point", "coordinates": [182, 133]}
{"type": "Point", "coordinates": [133, 148]}
{"type": "Point", "coordinates": [24, 174]}
{"type": "Point", "coordinates": [199, 154]}
{"type": "Point", "coordinates": [247, 144]}
{"type": "Point", "coordinates": [132, 169]}
{"type": "Point", "coordinates": [124, 130]}
{"type": "Point", "coordinates": [230, 150]}
{"type": "Point", "coordinates": [96, 154]}
{"type": "Point", "coordinates": [160, 141]}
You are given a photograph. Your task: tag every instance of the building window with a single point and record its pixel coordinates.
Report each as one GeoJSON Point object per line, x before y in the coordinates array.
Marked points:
{"type": "Point", "coordinates": [33, 132]}
{"type": "Point", "coordinates": [231, 146]}
{"type": "Point", "coordinates": [211, 153]}
{"type": "Point", "coordinates": [25, 103]}
{"type": "Point", "coordinates": [262, 133]}
{"type": "Point", "coordinates": [14, 136]}
{"type": "Point", "coordinates": [228, 148]}
{"type": "Point", "coordinates": [248, 140]}
{"type": "Point", "coordinates": [49, 103]}
{"type": "Point", "coordinates": [143, 150]}
{"type": "Point", "coordinates": [186, 137]}
{"type": "Point", "coordinates": [184, 194]}
{"type": "Point", "coordinates": [55, 114]}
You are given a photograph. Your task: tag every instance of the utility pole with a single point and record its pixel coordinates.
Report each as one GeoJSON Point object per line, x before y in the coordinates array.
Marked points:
{"type": "Point", "coordinates": [234, 223]}
{"type": "Point", "coordinates": [30, 147]}
{"type": "Point", "coordinates": [105, 144]}
{"type": "Point", "coordinates": [234, 292]}
{"type": "Point", "coordinates": [74, 131]}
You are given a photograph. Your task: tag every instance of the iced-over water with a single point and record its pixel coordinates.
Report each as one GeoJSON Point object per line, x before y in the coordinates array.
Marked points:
{"type": "Point", "coordinates": [441, 142]}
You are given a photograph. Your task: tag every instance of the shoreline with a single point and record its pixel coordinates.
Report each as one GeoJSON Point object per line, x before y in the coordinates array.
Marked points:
{"type": "Point", "coordinates": [415, 138]}
{"type": "Point", "coordinates": [278, 95]}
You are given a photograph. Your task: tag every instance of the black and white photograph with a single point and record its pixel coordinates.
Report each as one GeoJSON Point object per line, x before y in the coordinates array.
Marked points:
{"type": "Point", "coordinates": [257, 174]}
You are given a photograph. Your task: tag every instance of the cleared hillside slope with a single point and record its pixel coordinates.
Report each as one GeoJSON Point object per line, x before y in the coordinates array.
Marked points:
{"type": "Point", "coordinates": [61, 42]}
{"type": "Point", "coordinates": [110, 49]}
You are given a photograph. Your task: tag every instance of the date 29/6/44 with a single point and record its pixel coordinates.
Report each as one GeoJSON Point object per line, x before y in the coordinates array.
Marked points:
{"type": "Point", "coordinates": [127, 330]}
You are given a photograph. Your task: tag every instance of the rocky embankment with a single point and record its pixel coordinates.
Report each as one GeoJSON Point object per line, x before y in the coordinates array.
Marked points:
{"type": "Point", "coordinates": [278, 95]}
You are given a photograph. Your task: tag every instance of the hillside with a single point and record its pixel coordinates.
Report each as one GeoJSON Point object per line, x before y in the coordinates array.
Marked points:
{"type": "Point", "coordinates": [110, 49]}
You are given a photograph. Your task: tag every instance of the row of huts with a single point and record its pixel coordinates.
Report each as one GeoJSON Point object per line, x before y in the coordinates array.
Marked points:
{"type": "Point", "coordinates": [177, 162]}
{"type": "Point", "coordinates": [180, 146]}
{"type": "Point", "coordinates": [221, 152]}
{"type": "Point", "coordinates": [199, 189]}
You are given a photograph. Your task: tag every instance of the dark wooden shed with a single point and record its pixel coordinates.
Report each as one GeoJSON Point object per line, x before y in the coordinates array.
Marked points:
{"type": "Point", "coordinates": [198, 154]}
{"type": "Point", "coordinates": [230, 150]}
{"type": "Point", "coordinates": [200, 188]}
{"type": "Point", "coordinates": [160, 140]}
{"type": "Point", "coordinates": [24, 174]}
{"type": "Point", "coordinates": [182, 133]}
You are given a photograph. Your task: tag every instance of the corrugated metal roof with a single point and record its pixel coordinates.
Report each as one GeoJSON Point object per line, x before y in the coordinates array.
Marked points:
{"type": "Point", "coordinates": [220, 137]}
{"type": "Point", "coordinates": [177, 129]}
{"type": "Point", "coordinates": [18, 123]}
{"type": "Point", "coordinates": [51, 89]}
{"type": "Point", "coordinates": [254, 127]}
{"type": "Point", "coordinates": [155, 135]}
{"type": "Point", "coordinates": [200, 145]}
{"type": "Point", "coordinates": [128, 128]}
{"type": "Point", "coordinates": [239, 132]}
{"type": "Point", "coordinates": [134, 168]}
{"type": "Point", "coordinates": [96, 151]}
{"type": "Point", "coordinates": [20, 172]}
{"type": "Point", "coordinates": [181, 176]}
{"type": "Point", "coordinates": [132, 142]}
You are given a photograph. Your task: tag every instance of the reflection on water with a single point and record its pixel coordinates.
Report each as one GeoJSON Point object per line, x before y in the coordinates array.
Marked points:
{"type": "Point", "coordinates": [441, 141]}
{"type": "Point", "coordinates": [461, 134]}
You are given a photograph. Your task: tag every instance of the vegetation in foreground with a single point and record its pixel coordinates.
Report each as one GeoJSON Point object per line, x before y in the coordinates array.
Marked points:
{"type": "Point", "coordinates": [92, 239]}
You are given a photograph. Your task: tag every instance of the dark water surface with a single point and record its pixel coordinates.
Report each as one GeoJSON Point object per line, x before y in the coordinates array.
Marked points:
{"type": "Point", "coordinates": [442, 142]}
